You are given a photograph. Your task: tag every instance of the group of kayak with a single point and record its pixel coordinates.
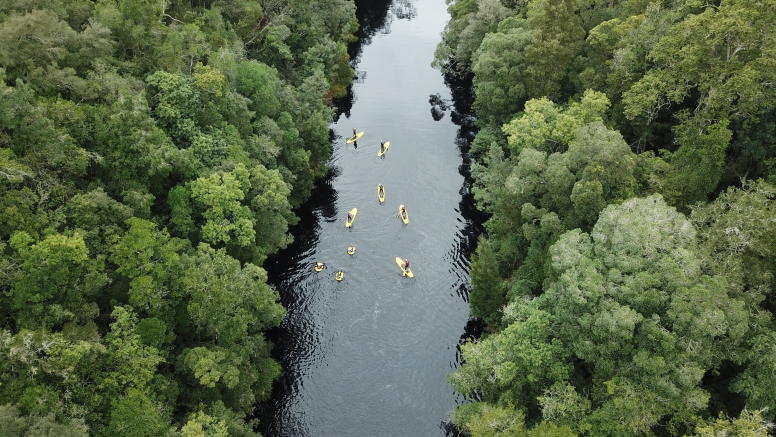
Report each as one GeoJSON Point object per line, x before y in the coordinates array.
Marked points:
{"type": "Point", "coordinates": [403, 214]}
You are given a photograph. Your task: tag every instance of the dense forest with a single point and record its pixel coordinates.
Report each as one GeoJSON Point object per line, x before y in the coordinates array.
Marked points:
{"type": "Point", "coordinates": [626, 156]}
{"type": "Point", "coordinates": [151, 156]}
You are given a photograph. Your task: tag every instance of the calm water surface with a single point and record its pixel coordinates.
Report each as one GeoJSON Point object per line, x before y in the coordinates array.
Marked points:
{"type": "Point", "coordinates": [368, 356]}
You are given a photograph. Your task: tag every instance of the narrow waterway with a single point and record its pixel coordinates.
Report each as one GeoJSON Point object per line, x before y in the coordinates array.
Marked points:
{"type": "Point", "coordinates": [369, 356]}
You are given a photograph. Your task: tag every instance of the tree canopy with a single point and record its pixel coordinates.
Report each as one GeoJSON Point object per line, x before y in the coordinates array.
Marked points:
{"type": "Point", "coordinates": [151, 155]}
{"type": "Point", "coordinates": [625, 156]}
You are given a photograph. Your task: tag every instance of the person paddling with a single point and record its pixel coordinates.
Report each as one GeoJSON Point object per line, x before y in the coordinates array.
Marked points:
{"type": "Point", "coordinates": [382, 146]}
{"type": "Point", "coordinates": [354, 131]}
{"type": "Point", "coordinates": [406, 264]}
{"type": "Point", "coordinates": [350, 216]}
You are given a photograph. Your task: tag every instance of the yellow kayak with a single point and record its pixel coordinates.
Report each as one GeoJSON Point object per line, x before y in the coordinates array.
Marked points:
{"type": "Point", "coordinates": [319, 267]}
{"type": "Point", "coordinates": [405, 272]}
{"type": "Point", "coordinates": [405, 217]}
{"type": "Point", "coordinates": [381, 193]}
{"type": "Point", "coordinates": [349, 223]}
{"type": "Point", "coordinates": [340, 275]}
{"type": "Point", "coordinates": [387, 144]}
{"type": "Point", "coordinates": [351, 250]}
{"type": "Point", "coordinates": [354, 138]}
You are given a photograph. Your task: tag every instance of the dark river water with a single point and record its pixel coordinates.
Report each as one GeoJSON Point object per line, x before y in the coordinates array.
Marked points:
{"type": "Point", "coordinates": [369, 356]}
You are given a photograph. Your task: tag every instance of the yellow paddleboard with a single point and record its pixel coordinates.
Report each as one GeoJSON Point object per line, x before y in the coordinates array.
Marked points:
{"type": "Point", "coordinates": [405, 272]}
{"type": "Point", "coordinates": [340, 275]}
{"type": "Point", "coordinates": [404, 217]}
{"type": "Point", "coordinates": [349, 223]}
{"type": "Point", "coordinates": [355, 138]}
{"type": "Point", "coordinates": [351, 250]}
{"type": "Point", "coordinates": [381, 193]}
{"type": "Point", "coordinates": [387, 144]}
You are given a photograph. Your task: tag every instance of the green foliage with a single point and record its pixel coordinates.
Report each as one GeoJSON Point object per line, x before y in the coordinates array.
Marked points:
{"type": "Point", "coordinates": [119, 121]}
{"type": "Point", "coordinates": [498, 68]}
{"type": "Point", "coordinates": [630, 304]}
{"type": "Point", "coordinates": [749, 424]}
{"type": "Point", "coordinates": [659, 327]}
{"type": "Point", "coordinates": [697, 165]}
{"type": "Point", "coordinates": [557, 36]}
{"type": "Point", "coordinates": [14, 424]}
{"type": "Point", "coordinates": [43, 366]}
{"type": "Point", "coordinates": [56, 277]}
{"type": "Point", "coordinates": [490, 421]}
{"type": "Point", "coordinates": [733, 59]}
{"type": "Point", "coordinates": [257, 82]}
{"type": "Point", "coordinates": [148, 257]}
{"type": "Point", "coordinates": [135, 414]}
{"type": "Point", "coordinates": [487, 293]}
{"type": "Point", "coordinates": [228, 301]}
{"type": "Point", "coordinates": [545, 126]}
{"type": "Point", "coordinates": [470, 21]}
{"type": "Point", "coordinates": [176, 105]}
{"type": "Point", "coordinates": [221, 196]}
{"type": "Point", "coordinates": [512, 367]}
{"type": "Point", "coordinates": [203, 425]}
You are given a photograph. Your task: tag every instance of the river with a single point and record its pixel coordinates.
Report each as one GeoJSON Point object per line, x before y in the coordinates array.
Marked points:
{"type": "Point", "coordinates": [369, 356]}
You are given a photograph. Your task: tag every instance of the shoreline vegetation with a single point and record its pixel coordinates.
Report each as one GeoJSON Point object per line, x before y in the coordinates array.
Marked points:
{"type": "Point", "coordinates": [626, 155]}
{"type": "Point", "coordinates": [151, 156]}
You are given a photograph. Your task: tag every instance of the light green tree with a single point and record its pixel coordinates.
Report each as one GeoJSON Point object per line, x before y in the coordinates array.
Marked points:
{"type": "Point", "coordinates": [499, 72]}
{"type": "Point", "coordinates": [226, 218]}
{"type": "Point", "coordinates": [557, 36]}
{"type": "Point", "coordinates": [56, 278]}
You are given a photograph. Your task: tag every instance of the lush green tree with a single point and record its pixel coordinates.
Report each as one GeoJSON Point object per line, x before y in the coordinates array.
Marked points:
{"type": "Point", "coordinates": [498, 67]}
{"type": "Point", "coordinates": [136, 414]}
{"type": "Point", "coordinates": [56, 277]}
{"type": "Point", "coordinates": [176, 105]}
{"type": "Point", "coordinates": [148, 257]}
{"type": "Point", "coordinates": [511, 368]}
{"type": "Point", "coordinates": [557, 35]}
{"type": "Point", "coordinates": [659, 329]}
{"type": "Point", "coordinates": [545, 126]}
{"type": "Point", "coordinates": [726, 69]}
{"type": "Point", "coordinates": [487, 294]}
{"type": "Point", "coordinates": [226, 217]}
{"type": "Point", "coordinates": [483, 420]}
{"type": "Point", "coordinates": [269, 201]}
{"type": "Point", "coordinates": [258, 81]}
{"type": "Point", "coordinates": [737, 233]}
{"type": "Point", "coordinates": [630, 304]}
{"type": "Point", "coordinates": [62, 375]}
{"type": "Point", "coordinates": [44, 50]}
{"type": "Point", "coordinates": [227, 306]}
{"type": "Point", "coordinates": [748, 424]}
{"type": "Point", "coordinates": [120, 120]}
{"type": "Point", "coordinates": [14, 424]}
{"type": "Point", "coordinates": [203, 425]}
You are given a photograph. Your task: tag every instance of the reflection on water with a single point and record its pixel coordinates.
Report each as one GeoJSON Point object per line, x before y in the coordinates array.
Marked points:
{"type": "Point", "coordinates": [369, 356]}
